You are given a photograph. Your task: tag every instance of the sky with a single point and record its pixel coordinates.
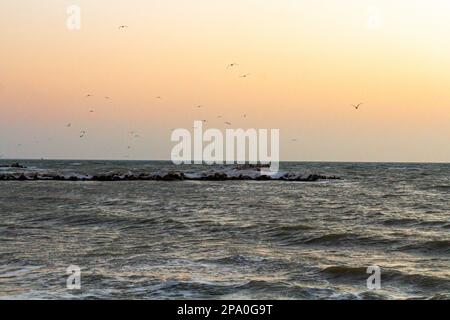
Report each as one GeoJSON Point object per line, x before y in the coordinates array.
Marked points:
{"type": "Point", "coordinates": [307, 62]}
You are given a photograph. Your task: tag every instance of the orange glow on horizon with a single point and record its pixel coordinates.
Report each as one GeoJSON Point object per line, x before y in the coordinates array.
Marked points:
{"type": "Point", "coordinates": [307, 60]}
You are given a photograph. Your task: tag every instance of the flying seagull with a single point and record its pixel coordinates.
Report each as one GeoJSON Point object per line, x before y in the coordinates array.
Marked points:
{"type": "Point", "coordinates": [69, 125]}
{"type": "Point", "coordinates": [123, 27]}
{"type": "Point", "coordinates": [231, 65]}
{"type": "Point", "coordinates": [88, 95]}
{"type": "Point", "coordinates": [245, 75]}
{"type": "Point", "coordinates": [356, 106]}
{"type": "Point", "coordinates": [228, 123]}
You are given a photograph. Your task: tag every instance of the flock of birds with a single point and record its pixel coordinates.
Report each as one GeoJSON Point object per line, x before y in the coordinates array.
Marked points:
{"type": "Point", "coordinates": [135, 135]}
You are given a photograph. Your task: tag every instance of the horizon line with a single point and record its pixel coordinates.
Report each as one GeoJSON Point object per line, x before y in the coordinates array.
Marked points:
{"type": "Point", "coordinates": [168, 160]}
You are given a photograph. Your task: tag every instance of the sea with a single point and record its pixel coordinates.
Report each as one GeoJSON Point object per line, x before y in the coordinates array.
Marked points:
{"type": "Point", "coordinates": [225, 239]}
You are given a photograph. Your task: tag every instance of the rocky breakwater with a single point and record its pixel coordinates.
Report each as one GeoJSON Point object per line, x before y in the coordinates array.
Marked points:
{"type": "Point", "coordinates": [236, 173]}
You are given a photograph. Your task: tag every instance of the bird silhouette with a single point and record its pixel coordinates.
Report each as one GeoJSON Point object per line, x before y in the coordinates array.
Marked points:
{"type": "Point", "coordinates": [245, 75]}
{"type": "Point", "coordinates": [231, 65]}
{"type": "Point", "coordinates": [123, 27]}
{"type": "Point", "coordinates": [228, 123]}
{"type": "Point", "coordinates": [356, 106]}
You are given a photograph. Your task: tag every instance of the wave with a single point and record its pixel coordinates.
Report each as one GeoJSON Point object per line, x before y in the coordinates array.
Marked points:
{"type": "Point", "coordinates": [439, 188]}
{"type": "Point", "coordinates": [286, 290]}
{"type": "Point", "coordinates": [432, 247]}
{"type": "Point", "coordinates": [345, 272]}
{"type": "Point", "coordinates": [350, 239]}
{"type": "Point", "coordinates": [388, 277]}
{"type": "Point", "coordinates": [434, 223]}
{"type": "Point", "coordinates": [399, 222]}
{"type": "Point", "coordinates": [304, 235]}
{"type": "Point", "coordinates": [409, 222]}
{"type": "Point", "coordinates": [332, 238]}
{"type": "Point", "coordinates": [288, 234]}
{"type": "Point", "coordinates": [237, 259]}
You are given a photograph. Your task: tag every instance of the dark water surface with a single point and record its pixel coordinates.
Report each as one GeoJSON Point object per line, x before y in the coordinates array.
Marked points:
{"type": "Point", "coordinates": [227, 239]}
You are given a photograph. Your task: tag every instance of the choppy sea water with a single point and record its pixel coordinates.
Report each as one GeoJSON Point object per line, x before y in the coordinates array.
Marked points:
{"type": "Point", "coordinates": [227, 239]}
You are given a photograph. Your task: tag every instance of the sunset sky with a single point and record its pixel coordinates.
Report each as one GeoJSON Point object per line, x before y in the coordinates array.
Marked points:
{"type": "Point", "coordinates": [307, 60]}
